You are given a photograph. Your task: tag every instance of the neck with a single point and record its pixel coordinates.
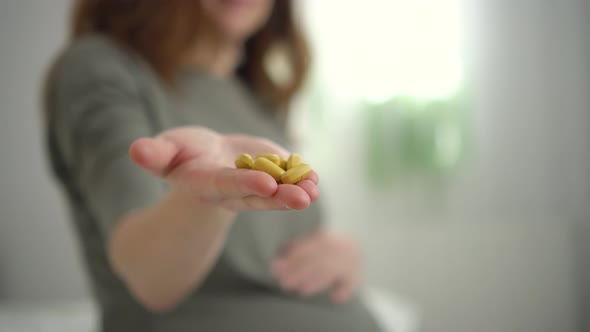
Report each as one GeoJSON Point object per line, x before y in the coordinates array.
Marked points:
{"type": "Point", "coordinates": [219, 58]}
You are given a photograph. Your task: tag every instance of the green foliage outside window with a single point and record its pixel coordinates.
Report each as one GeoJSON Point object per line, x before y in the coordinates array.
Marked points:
{"type": "Point", "coordinates": [408, 137]}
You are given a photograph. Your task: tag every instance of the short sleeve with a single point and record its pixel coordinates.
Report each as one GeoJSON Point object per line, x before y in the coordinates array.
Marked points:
{"type": "Point", "coordinates": [97, 112]}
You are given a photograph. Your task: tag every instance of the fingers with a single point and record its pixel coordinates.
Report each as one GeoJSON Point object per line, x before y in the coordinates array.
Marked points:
{"type": "Point", "coordinates": [296, 257]}
{"type": "Point", "coordinates": [310, 188]}
{"type": "Point", "coordinates": [254, 145]}
{"type": "Point", "coordinates": [250, 190]}
{"type": "Point", "coordinates": [318, 261]}
{"type": "Point", "coordinates": [217, 184]}
{"type": "Point", "coordinates": [253, 203]}
{"type": "Point", "coordinates": [290, 277]}
{"type": "Point", "coordinates": [155, 155]}
{"type": "Point", "coordinates": [313, 177]}
{"type": "Point", "coordinates": [308, 279]}
{"type": "Point", "coordinates": [312, 276]}
{"type": "Point", "coordinates": [293, 197]}
{"type": "Point", "coordinates": [300, 248]}
{"type": "Point", "coordinates": [344, 290]}
{"type": "Point", "coordinates": [286, 197]}
{"type": "Point", "coordinates": [233, 183]}
{"type": "Point", "coordinates": [307, 276]}
{"type": "Point", "coordinates": [316, 283]}
{"type": "Point", "coordinates": [187, 167]}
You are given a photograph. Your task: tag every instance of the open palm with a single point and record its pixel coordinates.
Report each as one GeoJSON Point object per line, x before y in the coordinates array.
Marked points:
{"type": "Point", "coordinates": [201, 162]}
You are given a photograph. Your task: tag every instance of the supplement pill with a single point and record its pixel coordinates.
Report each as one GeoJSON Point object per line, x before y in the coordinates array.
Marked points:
{"type": "Point", "coordinates": [296, 174]}
{"type": "Point", "coordinates": [283, 164]}
{"type": "Point", "coordinates": [270, 156]}
{"type": "Point", "coordinates": [294, 160]}
{"type": "Point", "coordinates": [267, 166]}
{"type": "Point", "coordinates": [244, 161]}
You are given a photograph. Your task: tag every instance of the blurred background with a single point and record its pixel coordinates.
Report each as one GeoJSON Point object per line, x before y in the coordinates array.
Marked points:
{"type": "Point", "coordinates": [452, 136]}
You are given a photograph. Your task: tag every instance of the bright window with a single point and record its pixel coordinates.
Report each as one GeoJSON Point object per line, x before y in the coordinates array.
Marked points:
{"type": "Point", "coordinates": [378, 49]}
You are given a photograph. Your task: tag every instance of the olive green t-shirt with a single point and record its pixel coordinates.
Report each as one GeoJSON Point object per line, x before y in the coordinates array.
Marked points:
{"type": "Point", "coordinates": [101, 99]}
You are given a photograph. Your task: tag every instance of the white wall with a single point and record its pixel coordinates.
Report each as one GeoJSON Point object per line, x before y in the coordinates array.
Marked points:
{"type": "Point", "coordinates": [492, 249]}
{"type": "Point", "coordinates": [531, 111]}
{"type": "Point", "coordinates": [38, 256]}
{"type": "Point", "coordinates": [582, 231]}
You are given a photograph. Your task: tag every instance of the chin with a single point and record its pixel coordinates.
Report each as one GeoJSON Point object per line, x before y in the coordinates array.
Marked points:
{"type": "Point", "coordinates": [237, 20]}
{"type": "Point", "coordinates": [239, 30]}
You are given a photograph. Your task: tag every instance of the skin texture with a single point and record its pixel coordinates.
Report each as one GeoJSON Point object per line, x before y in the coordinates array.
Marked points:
{"type": "Point", "coordinates": [321, 261]}
{"type": "Point", "coordinates": [200, 163]}
{"type": "Point", "coordinates": [235, 20]}
{"type": "Point", "coordinates": [226, 24]}
{"type": "Point", "coordinates": [165, 251]}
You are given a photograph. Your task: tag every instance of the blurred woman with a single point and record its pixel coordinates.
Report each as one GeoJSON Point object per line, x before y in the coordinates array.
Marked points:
{"type": "Point", "coordinates": [147, 108]}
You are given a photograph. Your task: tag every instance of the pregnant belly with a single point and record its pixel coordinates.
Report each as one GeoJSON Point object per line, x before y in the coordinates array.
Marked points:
{"type": "Point", "coordinates": [265, 312]}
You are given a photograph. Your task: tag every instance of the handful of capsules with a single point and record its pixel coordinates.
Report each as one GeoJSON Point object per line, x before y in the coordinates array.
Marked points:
{"type": "Point", "coordinates": [288, 171]}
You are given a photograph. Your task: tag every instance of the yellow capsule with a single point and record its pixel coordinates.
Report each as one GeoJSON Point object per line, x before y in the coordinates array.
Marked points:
{"type": "Point", "coordinates": [296, 174]}
{"type": "Point", "coordinates": [244, 161]}
{"type": "Point", "coordinates": [270, 156]}
{"type": "Point", "coordinates": [267, 166]}
{"type": "Point", "coordinates": [283, 164]}
{"type": "Point", "coordinates": [294, 160]}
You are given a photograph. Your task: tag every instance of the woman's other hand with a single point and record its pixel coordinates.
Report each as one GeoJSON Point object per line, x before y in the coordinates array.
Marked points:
{"type": "Point", "coordinates": [200, 161]}
{"type": "Point", "coordinates": [320, 261]}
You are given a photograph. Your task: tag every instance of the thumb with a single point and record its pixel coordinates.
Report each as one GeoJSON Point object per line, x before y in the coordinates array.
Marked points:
{"type": "Point", "coordinates": [155, 155]}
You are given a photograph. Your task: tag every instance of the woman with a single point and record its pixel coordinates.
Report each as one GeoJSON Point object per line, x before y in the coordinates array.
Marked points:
{"type": "Point", "coordinates": [189, 243]}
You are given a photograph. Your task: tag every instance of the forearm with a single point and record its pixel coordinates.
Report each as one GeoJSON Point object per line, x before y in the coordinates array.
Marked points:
{"type": "Point", "coordinates": [164, 252]}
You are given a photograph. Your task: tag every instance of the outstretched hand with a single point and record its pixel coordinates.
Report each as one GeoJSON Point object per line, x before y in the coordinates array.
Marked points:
{"type": "Point", "coordinates": [200, 162]}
